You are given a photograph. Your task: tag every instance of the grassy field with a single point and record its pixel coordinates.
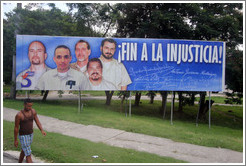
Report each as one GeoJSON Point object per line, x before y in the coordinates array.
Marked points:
{"type": "Point", "coordinates": [226, 127]}
{"type": "Point", "coordinates": [6, 90]}
{"type": "Point", "coordinates": [57, 148]}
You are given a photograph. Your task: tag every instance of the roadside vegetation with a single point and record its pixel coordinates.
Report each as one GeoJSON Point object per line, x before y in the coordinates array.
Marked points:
{"type": "Point", "coordinates": [57, 148]}
{"type": "Point", "coordinates": [226, 126]}
{"type": "Point", "coordinates": [6, 93]}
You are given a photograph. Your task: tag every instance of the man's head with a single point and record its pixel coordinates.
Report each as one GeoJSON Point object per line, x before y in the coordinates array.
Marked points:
{"type": "Point", "coordinates": [108, 48]}
{"type": "Point", "coordinates": [62, 58]}
{"type": "Point", "coordinates": [37, 53]}
{"type": "Point", "coordinates": [94, 69]}
{"type": "Point", "coordinates": [82, 50]}
{"type": "Point", "coordinates": [27, 104]}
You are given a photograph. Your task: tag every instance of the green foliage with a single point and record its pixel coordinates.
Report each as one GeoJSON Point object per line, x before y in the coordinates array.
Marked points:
{"type": "Point", "coordinates": [58, 148]}
{"type": "Point", "coordinates": [123, 94]}
{"type": "Point", "coordinates": [151, 94]}
{"type": "Point", "coordinates": [234, 98]}
{"type": "Point", "coordinates": [60, 92]}
{"type": "Point", "coordinates": [205, 21]}
{"type": "Point", "coordinates": [196, 21]}
{"type": "Point", "coordinates": [93, 16]}
{"type": "Point", "coordinates": [234, 70]}
{"type": "Point", "coordinates": [189, 98]}
{"type": "Point", "coordinates": [226, 126]}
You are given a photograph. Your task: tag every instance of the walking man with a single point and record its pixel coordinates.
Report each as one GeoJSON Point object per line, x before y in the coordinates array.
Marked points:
{"type": "Point", "coordinates": [24, 126]}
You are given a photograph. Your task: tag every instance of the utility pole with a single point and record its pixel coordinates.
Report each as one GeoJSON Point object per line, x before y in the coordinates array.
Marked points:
{"type": "Point", "coordinates": [13, 86]}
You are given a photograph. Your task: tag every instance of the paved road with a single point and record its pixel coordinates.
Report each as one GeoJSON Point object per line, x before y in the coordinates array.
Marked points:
{"type": "Point", "coordinates": [13, 156]}
{"type": "Point", "coordinates": [139, 142]}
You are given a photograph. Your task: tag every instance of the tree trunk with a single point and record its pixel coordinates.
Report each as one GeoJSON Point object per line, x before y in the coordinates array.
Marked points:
{"type": "Point", "coordinates": [13, 91]}
{"type": "Point", "coordinates": [180, 101]}
{"type": "Point", "coordinates": [122, 102]}
{"type": "Point", "coordinates": [109, 95]}
{"type": "Point", "coordinates": [164, 103]}
{"type": "Point", "coordinates": [152, 99]}
{"type": "Point", "coordinates": [13, 85]}
{"type": "Point", "coordinates": [173, 100]}
{"type": "Point", "coordinates": [192, 99]}
{"type": "Point", "coordinates": [201, 105]}
{"type": "Point", "coordinates": [137, 98]}
{"type": "Point", "coordinates": [204, 106]}
{"type": "Point", "coordinates": [45, 95]}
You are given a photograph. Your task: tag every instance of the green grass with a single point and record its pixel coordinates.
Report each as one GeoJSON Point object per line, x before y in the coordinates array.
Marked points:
{"type": "Point", "coordinates": [7, 88]}
{"type": "Point", "coordinates": [57, 148]}
{"type": "Point", "coordinates": [217, 99]}
{"type": "Point", "coordinates": [226, 127]}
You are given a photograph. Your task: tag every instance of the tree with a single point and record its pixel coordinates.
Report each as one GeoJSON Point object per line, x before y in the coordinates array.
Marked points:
{"type": "Point", "coordinates": [137, 98]}
{"type": "Point", "coordinates": [203, 106]}
{"type": "Point", "coordinates": [109, 95]}
{"type": "Point", "coordinates": [163, 102]}
{"type": "Point", "coordinates": [181, 100]}
{"type": "Point", "coordinates": [94, 19]}
{"type": "Point", "coordinates": [123, 95]}
{"type": "Point", "coordinates": [151, 95]}
{"type": "Point", "coordinates": [234, 79]}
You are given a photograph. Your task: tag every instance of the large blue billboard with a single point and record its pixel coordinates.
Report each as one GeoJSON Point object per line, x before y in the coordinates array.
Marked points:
{"type": "Point", "coordinates": [67, 63]}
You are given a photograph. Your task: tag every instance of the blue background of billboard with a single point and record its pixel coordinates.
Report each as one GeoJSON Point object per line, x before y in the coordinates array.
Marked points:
{"type": "Point", "coordinates": [145, 75]}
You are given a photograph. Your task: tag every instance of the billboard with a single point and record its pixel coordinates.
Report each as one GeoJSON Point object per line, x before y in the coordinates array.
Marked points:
{"type": "Point", "coordinates": [90, 63]}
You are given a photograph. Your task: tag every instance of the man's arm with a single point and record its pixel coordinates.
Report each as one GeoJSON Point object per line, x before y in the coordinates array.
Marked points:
{"type": "Point", "coordinates": [38, 123]}
{"type": "Point", "coordinates": [17, 124]}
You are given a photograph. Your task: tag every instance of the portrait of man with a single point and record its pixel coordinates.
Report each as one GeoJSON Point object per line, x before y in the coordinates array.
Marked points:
{"type": "Point", "coordinates": [82, 52]}
{"type": "Point", "coordinates": [63, 77]}
{"type": "Point", "coordinates": [95, 78]}
{"type": "Point", "coordinates": [37, 55]}
{"type": "Point", "coordinates": [113, 71]}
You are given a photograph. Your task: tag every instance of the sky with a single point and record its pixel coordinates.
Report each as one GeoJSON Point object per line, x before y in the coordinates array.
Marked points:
{"type": "Point", "coordinates": [7, 7]}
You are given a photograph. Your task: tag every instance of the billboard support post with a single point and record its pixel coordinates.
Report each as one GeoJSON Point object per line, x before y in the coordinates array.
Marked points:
{"type": "Point", "coordinates": [172, 104]}
{"type": "Point", "coordinates": [126, 107]}
{"type": "Point", "coordinates": [209, 109]}
{"type": "Point", "coordinates": [27, 94]}
{"type": "Point", "coordinates": [79, 102]}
